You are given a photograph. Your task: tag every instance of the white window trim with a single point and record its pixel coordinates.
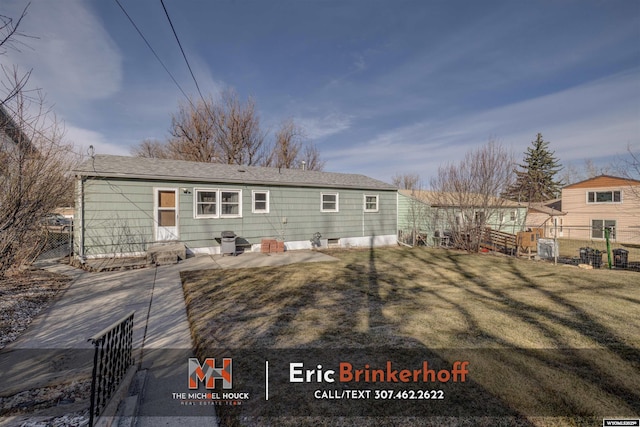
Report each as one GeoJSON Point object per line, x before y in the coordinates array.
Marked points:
{"type": "Point", "coordinates": [195, 203]}
{"type": "Point", "coordinates": [231, 190]}
{"type": "Point", "coordinates": [157, 208]}
{"type": "Point", "coordinates": [364, 201]}
{"type": "Point", "coordinates": [604, 203]}
{"type": "Point", "coordinates": [218, 213]}
{"type": "Point", "coordinates": [337, 209]}
{"type": "Point", "coordinates": [253, 202]}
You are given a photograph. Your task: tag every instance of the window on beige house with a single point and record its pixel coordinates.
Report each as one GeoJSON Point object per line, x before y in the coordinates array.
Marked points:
{"type": "Point", "coordinates": [604, 197]}
{"type": "Point", "coordinates": [598, 226]}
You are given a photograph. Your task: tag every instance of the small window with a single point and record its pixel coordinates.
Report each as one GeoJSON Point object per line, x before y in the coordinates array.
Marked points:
{"type": "Point", "coordinates": [514, 215]}
{"type": "Point", "coordinates": [371, 203]}
{"type": "Point", "coordinates": [260, 201]}
{"type": "Point", "coordinates": [329, 202]}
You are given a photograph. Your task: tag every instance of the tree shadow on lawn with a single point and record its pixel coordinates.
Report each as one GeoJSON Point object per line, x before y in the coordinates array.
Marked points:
{"type": "Point", "coordinates": [358, 333]}
{"type": "Point", "coordinates": [599, 380]}
{"type": "Point", "coordinates": [363, 314]}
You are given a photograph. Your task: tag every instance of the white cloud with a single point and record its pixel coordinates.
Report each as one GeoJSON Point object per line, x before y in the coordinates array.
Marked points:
{"type": "Point", "coordinates": [82, 139]}
{"type": "Point", "coordinates": [208, 84]}
{"type": "Point", "coordinates": [329, 124]}
{"type": "Point", "coordinates": [73, 58]}
{"type": "Point", "coordinates": [592, 121]}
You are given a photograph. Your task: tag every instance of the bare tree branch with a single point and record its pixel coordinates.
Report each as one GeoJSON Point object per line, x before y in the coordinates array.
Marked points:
{"type": "Point", "coordinates": [467, 194]}
{"type": "Point", "coordinates": [9, 34]}
{"type": "Point", "coordinates": [311, 157]}
{"type": "Point", "coordinates": [34, 174]}
{"type": "Point", "coordinates": [406, 181]}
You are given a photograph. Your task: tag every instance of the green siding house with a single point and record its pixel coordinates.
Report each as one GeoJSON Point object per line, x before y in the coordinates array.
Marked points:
{"type": "Point", "coordinates": [125, 204]}
{"type": "Point", "coordinates": [429, 214]}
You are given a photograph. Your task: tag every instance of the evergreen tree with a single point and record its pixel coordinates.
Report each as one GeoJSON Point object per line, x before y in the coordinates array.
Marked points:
{"type": "Point", "coordinates": [536, 180]}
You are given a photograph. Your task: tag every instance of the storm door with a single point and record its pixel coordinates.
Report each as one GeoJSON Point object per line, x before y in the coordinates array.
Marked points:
{"type": "Point", "coordinates": [166, 214]}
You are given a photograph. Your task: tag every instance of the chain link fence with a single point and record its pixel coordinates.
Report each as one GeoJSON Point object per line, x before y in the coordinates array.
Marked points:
{"type": "Point", "coordinates": [579, 244]}
{"type": "Point", "coordinates": [55, 245]}
{"type": "Point", "coordinates": [576, 245]}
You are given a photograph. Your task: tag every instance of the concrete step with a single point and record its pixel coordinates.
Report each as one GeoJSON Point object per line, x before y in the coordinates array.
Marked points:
{"type": "Point", "coordinates": [163, 254]}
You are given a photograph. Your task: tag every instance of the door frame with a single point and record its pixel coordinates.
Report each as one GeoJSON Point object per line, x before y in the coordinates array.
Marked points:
{"type": "Point", "coordinates": [156, 222]}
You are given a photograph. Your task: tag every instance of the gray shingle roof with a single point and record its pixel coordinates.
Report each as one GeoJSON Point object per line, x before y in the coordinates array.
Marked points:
{"type": "Point", "coordinates": [444, 199]}
{"type": "Point", "coordinates": [179, 170]}
{"type": "Point", "coordinates": [13, 132]}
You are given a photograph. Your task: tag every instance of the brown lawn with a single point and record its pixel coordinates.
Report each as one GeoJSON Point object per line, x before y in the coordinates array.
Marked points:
{"type": "Point", "coordinates": [556, 344]}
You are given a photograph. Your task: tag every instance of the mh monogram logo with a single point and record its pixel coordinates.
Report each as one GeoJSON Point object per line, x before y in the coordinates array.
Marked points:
{"type": "Point", "coordinates": [208, 373]}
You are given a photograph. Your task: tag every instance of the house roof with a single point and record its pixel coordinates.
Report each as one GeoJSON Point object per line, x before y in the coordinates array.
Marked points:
{"type": "Point", "coordinates": [604, 181]}
{"type": "Point", "coordinates": [444, 199]}
{"type": "Point", "coordinates": [10, 128]}
{"type": "Point", "coordinates": [550, 207]}
{"type": "Point", "coordinates": [108, 166]}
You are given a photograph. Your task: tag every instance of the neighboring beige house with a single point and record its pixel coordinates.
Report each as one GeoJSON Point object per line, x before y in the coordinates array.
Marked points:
{"type": "Point", "coordinates": [547, 216]}
{"type": "Point", "coordinates": [602, 202]}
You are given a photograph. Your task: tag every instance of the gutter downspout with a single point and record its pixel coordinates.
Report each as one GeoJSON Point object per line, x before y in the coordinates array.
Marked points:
{"type": "Point", "coordinates": [81, 253]}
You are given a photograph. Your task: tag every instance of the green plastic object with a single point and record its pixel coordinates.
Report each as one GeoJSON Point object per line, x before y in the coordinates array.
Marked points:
{"type": "Point", "coordinates": [606, 236]}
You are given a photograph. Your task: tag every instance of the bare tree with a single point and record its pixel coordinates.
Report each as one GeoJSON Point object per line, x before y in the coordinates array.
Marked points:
{"type": "Point", "coordinates": [629, 167]}
{"type": "Point", "coordinates": [287, 146]}
{"type": "Point", "coordinates": [34, 162]}
{"type": "Point", "coordinates": [228, 131]}
{"type": "Point", "coordinates": [237, 130]}
{"type": "Point", "coordinates": [311, 157]}
{"type": "Point", "coordinates": [204, 130]}
{"type": "Point", "coordinates": [10, 38]}
{"type": "Point", "coordinates": [467, 194]}
{"type": "Point", "coordinates": [406, 181]}
{"type": "Point", "coordinates": [9, 34]}
{"type": "Point", "coordinates": [292, 149]}
{"type": "Point", "coordinates": [572, 174]}
{"type": "Point", "coordinates": [34, 176]}
{"type": "Point", "coordinates": [193, 133]}
{"type": "Point", "coordinates": [151, 148]}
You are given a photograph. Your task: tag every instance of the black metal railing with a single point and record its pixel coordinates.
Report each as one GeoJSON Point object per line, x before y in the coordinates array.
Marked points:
{"type": "Point", "coordinates": [111, 360]}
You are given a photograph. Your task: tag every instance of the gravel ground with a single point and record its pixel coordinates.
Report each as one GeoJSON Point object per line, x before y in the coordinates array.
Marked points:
{"type": "Point", "coordinates": [22, 297]}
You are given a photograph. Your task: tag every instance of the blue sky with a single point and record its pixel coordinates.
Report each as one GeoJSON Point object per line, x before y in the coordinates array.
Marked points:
{"type": "Point", "coordinates": [381, 87]}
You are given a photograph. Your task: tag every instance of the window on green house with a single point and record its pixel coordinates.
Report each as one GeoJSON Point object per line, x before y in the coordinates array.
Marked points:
{"type": "Point", "coordinates": [260, 201]}
{"type": "Point", "coordinates": [371, 203]}
{"type": "Point", "coordinates": [329, 202]}
{"type": "Point", "coordinates": [206, 203]}
{"type": "Point", "coordinates": [216, 203]}
{"type": "Point", "coordinates": [230, 205]}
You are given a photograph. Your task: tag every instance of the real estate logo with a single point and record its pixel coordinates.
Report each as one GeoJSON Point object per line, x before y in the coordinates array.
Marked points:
{"type": "Point", "coordinates": [209, 373]}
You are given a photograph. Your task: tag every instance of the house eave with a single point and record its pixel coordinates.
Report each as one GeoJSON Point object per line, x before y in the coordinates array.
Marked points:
{"type": "Point", "coordinates": [190, 179]}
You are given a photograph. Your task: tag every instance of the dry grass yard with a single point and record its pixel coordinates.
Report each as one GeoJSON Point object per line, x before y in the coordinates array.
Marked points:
{"type": "Point", "coordinates": [556, 345]}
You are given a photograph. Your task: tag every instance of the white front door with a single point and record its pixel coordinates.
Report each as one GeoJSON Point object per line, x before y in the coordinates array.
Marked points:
{"type": "Point", "coordinates": [166, 213]}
